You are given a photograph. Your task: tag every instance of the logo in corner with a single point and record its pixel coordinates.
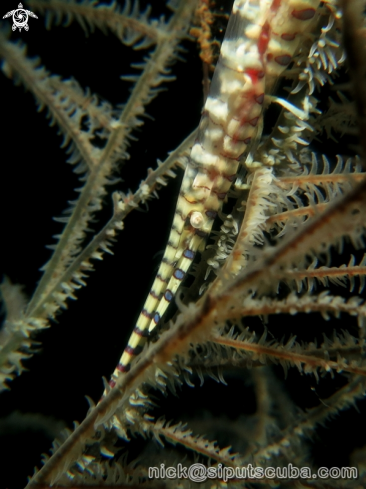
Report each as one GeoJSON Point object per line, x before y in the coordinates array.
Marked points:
{"type": "Point", "coordinates": [20, 17]}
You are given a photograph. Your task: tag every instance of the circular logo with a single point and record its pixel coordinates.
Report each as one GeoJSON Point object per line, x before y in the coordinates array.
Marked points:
{"type": "Point", "coordinates": [20, 19]}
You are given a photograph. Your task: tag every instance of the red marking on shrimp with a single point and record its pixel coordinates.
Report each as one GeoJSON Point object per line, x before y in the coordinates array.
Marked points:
{"type": "Point", "coordinates": [275, 5]}
{"type": "Point", "coordinates": [220, 195]}
{"type": "Point", "coordinates": [259, 98]}
{"type": "Point", "coordinates": [288, 37]}
{"type": "Point", "coordinates": [201, 186]}
{"type": "Point", "coordinates": [253, 122]}
{"type": "Point", "coordinates": [225, 155]}
{"type": "Point", "coordinates": [237, 140]}
{"type": "Point", "coordinates": [305, 14]}
{"type": "Point", "coordinates": [231, 178]}
{"type": "Point", "coordinates": [254, 75]}
{"type": "Point", "coordinates": [283, 60]}
{"type": "Point", "coordinates": [263, 39]}
{"type": "Point", "coordinates": [212, 173]}
{"type": "Point", "coordinates": [123, 368]}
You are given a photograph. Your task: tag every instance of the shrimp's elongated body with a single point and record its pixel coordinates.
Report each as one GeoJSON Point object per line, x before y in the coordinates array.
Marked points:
{"type": "Point", "coordinates": [261, 39]}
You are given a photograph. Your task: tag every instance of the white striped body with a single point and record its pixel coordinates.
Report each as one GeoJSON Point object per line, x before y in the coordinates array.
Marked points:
{"type": "Point", "coordinates": [259, 44]}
